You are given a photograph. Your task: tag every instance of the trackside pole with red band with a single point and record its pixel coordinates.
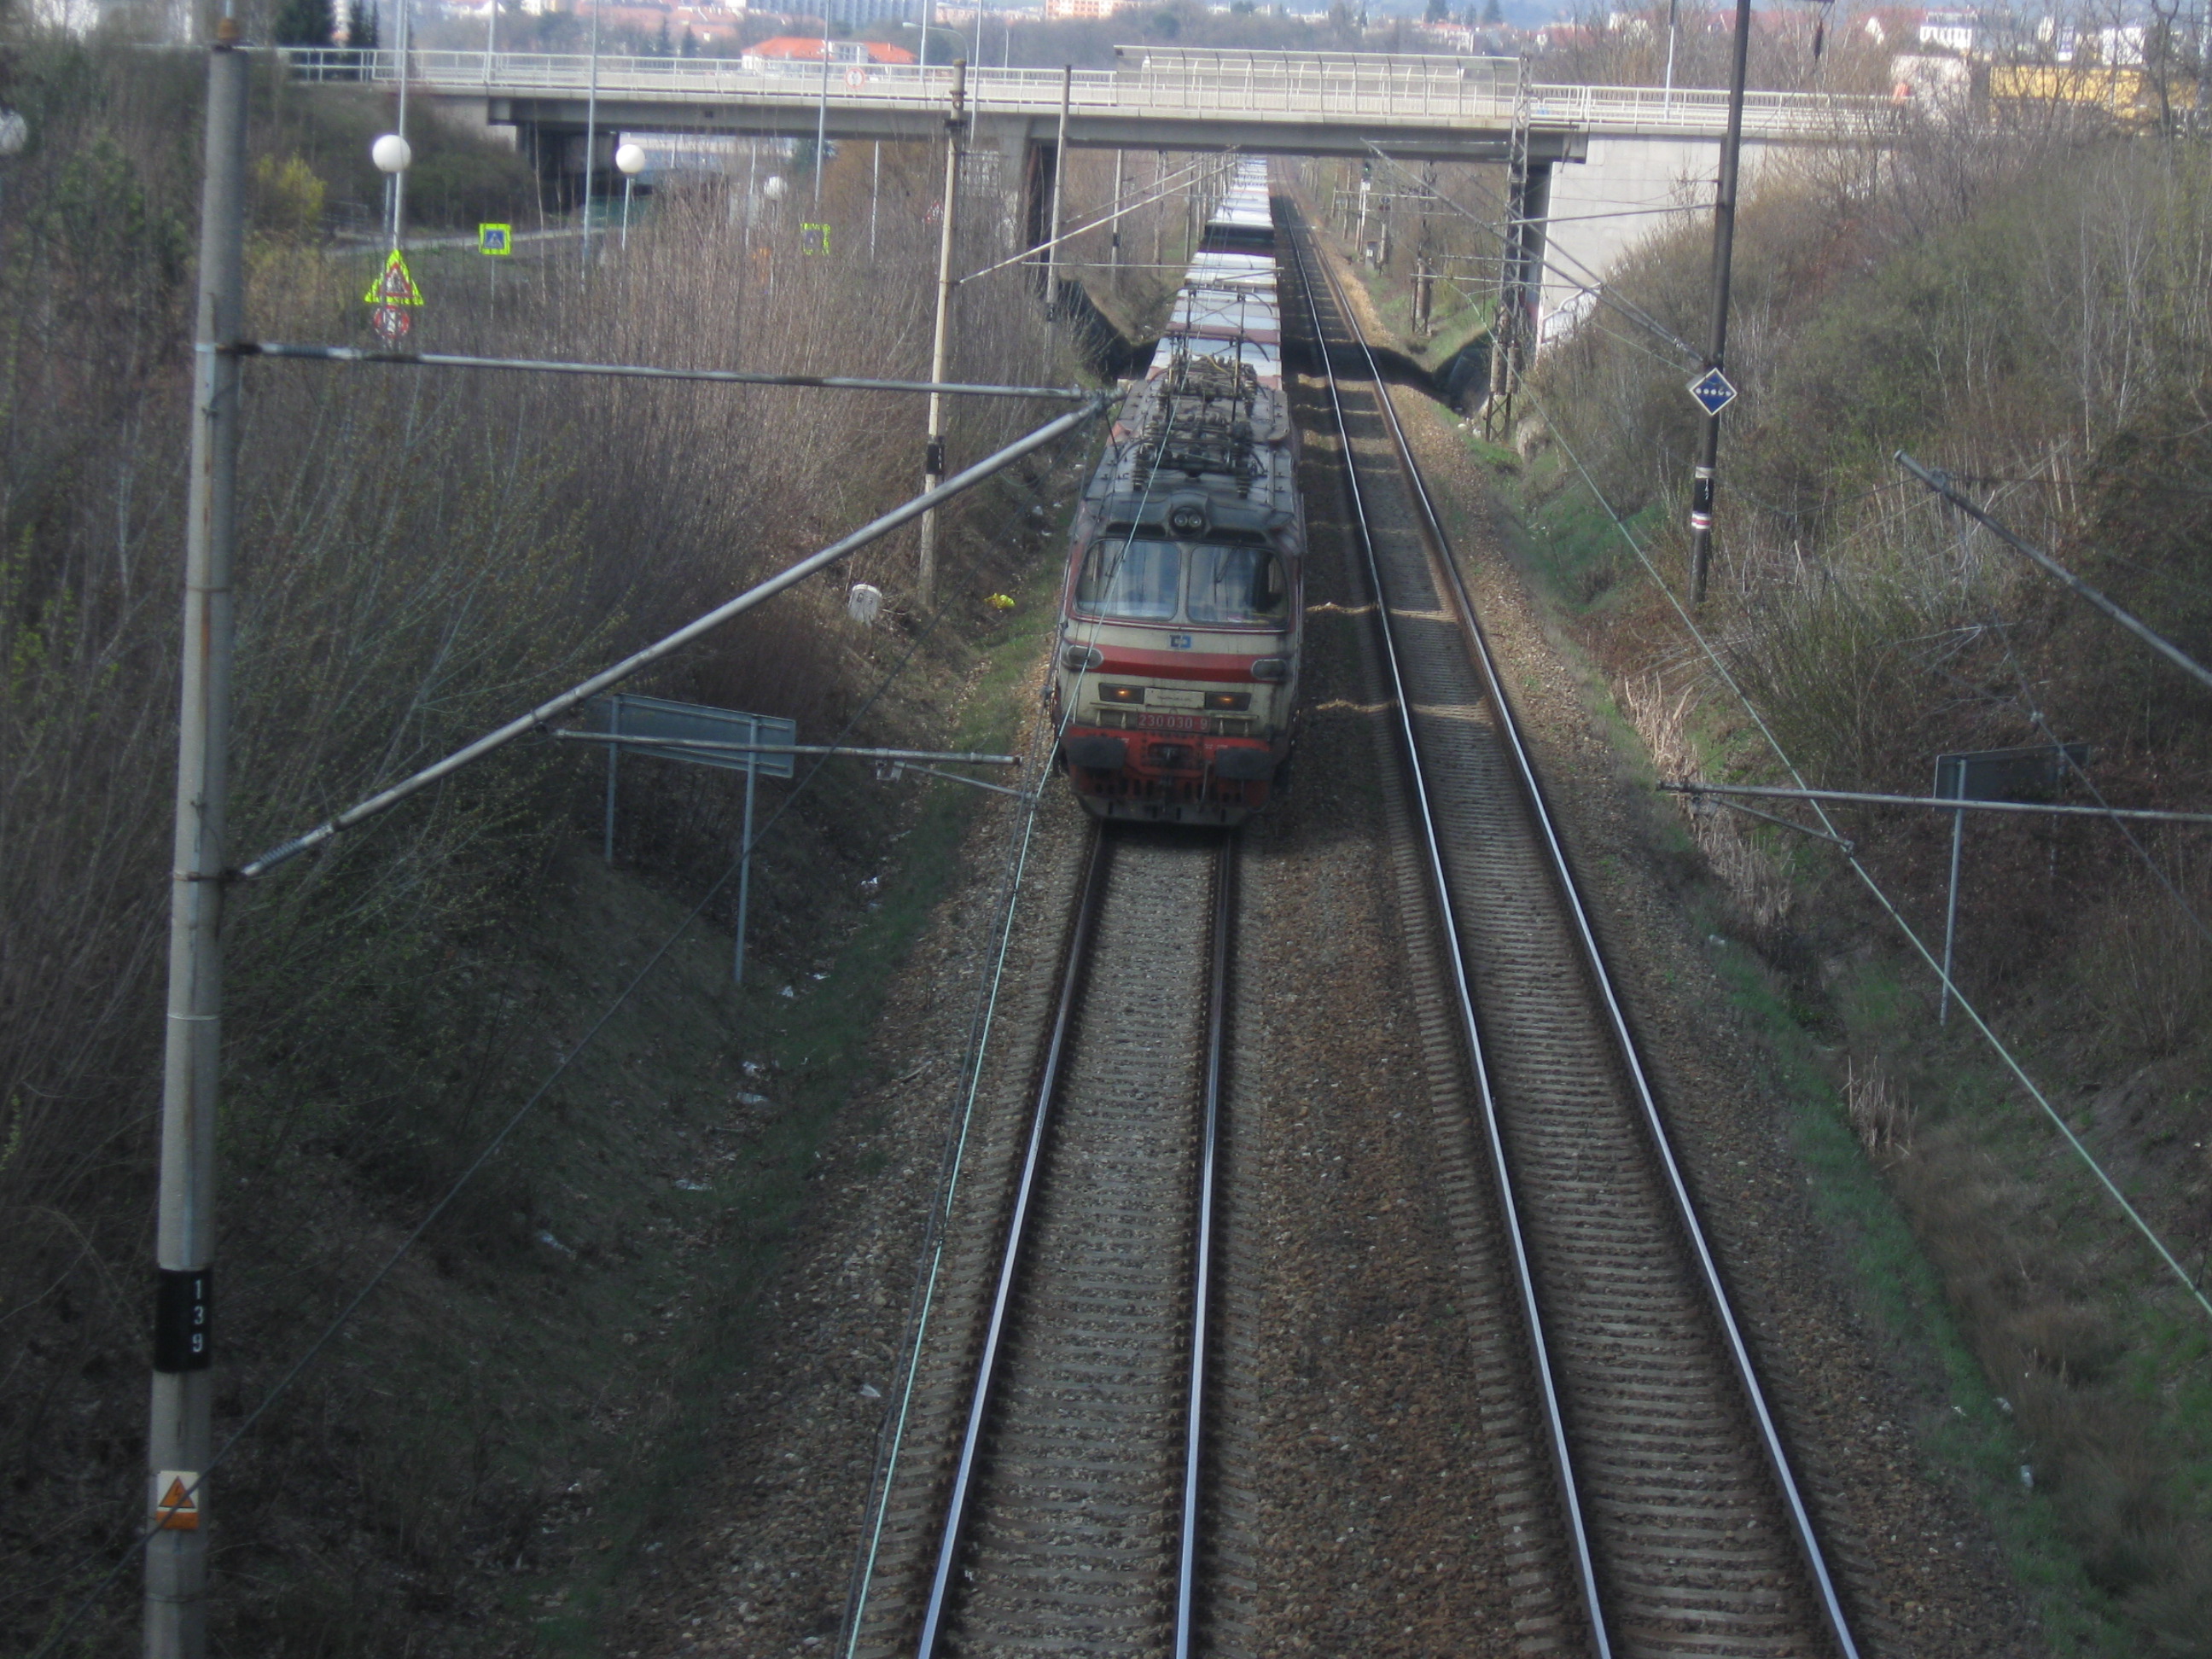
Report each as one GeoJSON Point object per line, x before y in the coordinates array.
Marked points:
{"type": "Point", "coordinates": [1701, 489]}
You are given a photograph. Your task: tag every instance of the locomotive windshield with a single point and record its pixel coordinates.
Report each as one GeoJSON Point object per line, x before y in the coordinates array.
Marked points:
{"type": "Point", "coordinates": [1142, 580]}
{"type": "Point", "coordinates": [1235, 584]}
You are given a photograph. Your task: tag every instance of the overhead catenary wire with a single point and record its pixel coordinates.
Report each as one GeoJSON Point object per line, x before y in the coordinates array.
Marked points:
{"type": "Point", "coordinates": [1697, 787]}
{"type": "Point", "coordinates": [685, 746]}
{"type": "Point", "coordinates": [1166, 187]}
{"type": "Point", "coordinates": [1973, 1014]}
{"type": "Point", "coordinates": [1940, 483]}
{"type": "Point", "coordinates": [365, 354]}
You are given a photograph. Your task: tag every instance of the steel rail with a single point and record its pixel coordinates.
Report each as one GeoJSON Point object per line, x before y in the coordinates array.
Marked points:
{"type": "Point", "coordinates": [1464, 993]}
{"type": "Point", "coordinates": [1217, 1026]}
{"type": "Point", "coordinates": [1616, 1018]}
{"type": "Point", "coordinates": [972, 1439]}
{"type": "Point", "coordinates": [1072, 974]}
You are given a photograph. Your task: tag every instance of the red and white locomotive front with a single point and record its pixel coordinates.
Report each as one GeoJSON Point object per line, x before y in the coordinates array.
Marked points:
{"type": "Point", "coordinates": [1177, 670]}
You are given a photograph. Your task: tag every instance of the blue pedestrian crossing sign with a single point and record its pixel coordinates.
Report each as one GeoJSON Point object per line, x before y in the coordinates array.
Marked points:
{"type": "Point", "coordinates": [495, 239]}
{"type": "Point", "coordinates": [1712, 391]}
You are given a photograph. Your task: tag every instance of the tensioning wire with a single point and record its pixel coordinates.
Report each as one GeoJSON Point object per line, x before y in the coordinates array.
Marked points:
{"type": "Point", "coordinates": [1995, 1043]}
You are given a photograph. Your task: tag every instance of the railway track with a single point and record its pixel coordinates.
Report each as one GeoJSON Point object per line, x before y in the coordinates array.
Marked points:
{"type": "Point", "coordinates": [1067, 1514]}
{"type": "Point", "coordinates": [1679, 1513]}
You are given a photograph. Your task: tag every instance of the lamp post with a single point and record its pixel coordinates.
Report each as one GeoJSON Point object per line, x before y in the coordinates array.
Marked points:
{"type": "Point", "coordinates": [392, 155]}
{"type": "Point", "coordinates": [591, 144]}
{"type": "Point", "coordinates": [629, 161]}
{"type": "Point", "coordinates": [15, 133]}
{"type": "Point", "coordinates": [399, 174]}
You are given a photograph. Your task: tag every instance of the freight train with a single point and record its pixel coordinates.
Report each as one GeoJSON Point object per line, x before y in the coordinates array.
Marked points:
{"type": "Point", "coordinates": [1176, 673]}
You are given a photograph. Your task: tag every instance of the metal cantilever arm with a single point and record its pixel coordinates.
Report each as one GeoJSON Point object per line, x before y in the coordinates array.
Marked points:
{"type": "Point", "coordinates": [384, 800]}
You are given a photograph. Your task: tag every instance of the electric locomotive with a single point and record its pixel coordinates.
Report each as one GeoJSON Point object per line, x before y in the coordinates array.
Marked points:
{"type": "Point", "coordinates": [1176, 668]}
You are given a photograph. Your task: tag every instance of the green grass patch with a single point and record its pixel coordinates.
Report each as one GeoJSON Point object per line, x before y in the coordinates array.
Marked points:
{"type": "Point", "coordinates": [1965, 1433]}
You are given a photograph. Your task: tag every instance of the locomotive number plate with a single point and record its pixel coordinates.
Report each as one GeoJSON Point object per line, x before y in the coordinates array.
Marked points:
{"type": "Point", "coordinates": [1172, 722]}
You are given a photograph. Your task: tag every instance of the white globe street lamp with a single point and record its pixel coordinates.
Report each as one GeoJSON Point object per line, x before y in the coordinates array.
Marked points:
{"type": "Point", "coordinates": [392, 155]}
{"type": "Point", "coordinates": [15, 133]}
{"type": "Point", "coordinates": [629, 161]}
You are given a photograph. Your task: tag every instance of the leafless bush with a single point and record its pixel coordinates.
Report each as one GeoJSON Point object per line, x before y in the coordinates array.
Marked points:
{"type": "Point", "coordinates": [420, 556]}
{"type": "Point", "coordinates": [1879, 1115]}
{"type": "Point", "coordinates": [1759, 887]}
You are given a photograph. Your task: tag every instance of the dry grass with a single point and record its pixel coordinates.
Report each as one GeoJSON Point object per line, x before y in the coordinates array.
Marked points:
{"type": "Point", "coordinates": [1880, 1115]}
{"type": "Point", "coordinates": [1758, 887]}
{"type": "Point", "coordinates": [2144, 963]}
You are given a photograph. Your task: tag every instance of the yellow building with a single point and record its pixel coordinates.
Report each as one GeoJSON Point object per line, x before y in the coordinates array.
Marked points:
{"type": "Point", "coordinates": [2130, 94]}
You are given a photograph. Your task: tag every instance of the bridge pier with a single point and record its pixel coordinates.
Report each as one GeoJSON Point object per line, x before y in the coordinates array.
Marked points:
{"type": "Point", "coordinates": [1514, 333]}
{"type": "Point", "coordinates": [555, 154]}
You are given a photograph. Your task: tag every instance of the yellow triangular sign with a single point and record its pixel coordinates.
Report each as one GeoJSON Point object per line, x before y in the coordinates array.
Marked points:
{"type": "Point", "coordinates": [178, 1510]}
{"type": "Point", "coordinates": [394, 285]}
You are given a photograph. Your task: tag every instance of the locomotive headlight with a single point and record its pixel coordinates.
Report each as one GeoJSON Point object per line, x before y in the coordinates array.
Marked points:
{"type": "Point", "coordinates": [1232, 700]}
{"type": "Point", "coordinates": [1076, 659]}
{"type": "Point", "coordinates": [1270, 670]}
{"type": "Point", "coordinates": [1187, 520]}
{"type": "Point", "coordinates": [1121, 694]}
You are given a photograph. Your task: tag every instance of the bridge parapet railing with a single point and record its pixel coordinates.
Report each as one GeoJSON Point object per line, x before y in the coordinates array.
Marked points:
{"type": "Point", "coordinates": [1351, 86]}
{"type": "Point", "coordinates": [1301, 86]}
{"type": "Point", "coordinates": [1694, 111]}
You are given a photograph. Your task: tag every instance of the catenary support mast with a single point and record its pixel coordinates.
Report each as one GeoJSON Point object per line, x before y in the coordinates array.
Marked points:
{"type": "Point", "coordinates": [178, 1436]}
{"type": "Point", "coordinates": [933, 465]}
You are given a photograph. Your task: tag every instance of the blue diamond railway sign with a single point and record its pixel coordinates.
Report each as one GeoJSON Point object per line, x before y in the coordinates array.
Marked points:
{"type": "Point", "coordinates": [1712, 391]}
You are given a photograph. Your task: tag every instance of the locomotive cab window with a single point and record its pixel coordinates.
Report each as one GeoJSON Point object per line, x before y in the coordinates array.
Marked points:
{"type": "Point", "coordinates": [1138, 581]}
{"type": "Point", "coordinates": [1235, 584]}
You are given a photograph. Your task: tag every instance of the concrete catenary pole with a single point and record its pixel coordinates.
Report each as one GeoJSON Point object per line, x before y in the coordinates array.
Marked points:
{"type": "Point", "coordinates": [178, 1434]}
{"type": "Point", "coordinates": [1116, 254]}
{"type": "Point", "coordinates": [933, 465]}
{"type": "Point", "coordinates": [1059, 196]}
{"type": "Point", "coordinates": [1701, 487]}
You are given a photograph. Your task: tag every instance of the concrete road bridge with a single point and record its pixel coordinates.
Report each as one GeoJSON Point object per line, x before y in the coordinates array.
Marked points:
{"type": "Point", "coordinates": [1638, 148]}
{"type": "Point", "coordinates": [1420, 107]}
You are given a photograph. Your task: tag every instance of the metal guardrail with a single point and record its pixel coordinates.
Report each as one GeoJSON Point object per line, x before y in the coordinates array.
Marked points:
{"type": "Point", "coordinates": [1327, 87]}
